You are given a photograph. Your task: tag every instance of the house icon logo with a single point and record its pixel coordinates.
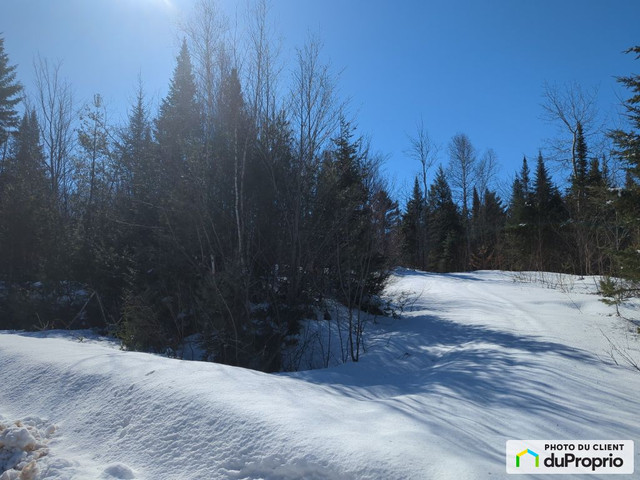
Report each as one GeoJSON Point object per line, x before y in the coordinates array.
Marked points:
{"type": "Point", "coordinates": [530, 452]}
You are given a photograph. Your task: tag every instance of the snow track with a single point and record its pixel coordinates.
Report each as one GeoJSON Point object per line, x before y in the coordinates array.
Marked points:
{"type": "Point", "coordinates": [477, 359]}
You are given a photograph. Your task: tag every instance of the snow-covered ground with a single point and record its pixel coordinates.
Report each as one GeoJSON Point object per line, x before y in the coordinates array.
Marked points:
{"type": "Point", "coordinates": [475, 359]}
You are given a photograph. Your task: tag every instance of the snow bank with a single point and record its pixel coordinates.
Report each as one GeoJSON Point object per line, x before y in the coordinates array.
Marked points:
{"type": "Point", "coordinates": [475, 360]}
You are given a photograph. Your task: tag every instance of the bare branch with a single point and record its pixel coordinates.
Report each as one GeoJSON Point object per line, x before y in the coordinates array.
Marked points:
{"type": "Point", "coordinates": [424, 151]}
{"type": "Point", "coordinates": [567, 106]}
{"type": "Point", "coordinates": [486, 171]}
{"type": "Point", "coordinates": [54, 102]}
{"type": "Point", "coordinates": [264, 68]}
{"type": "Point", "coordinates": [462, 168]}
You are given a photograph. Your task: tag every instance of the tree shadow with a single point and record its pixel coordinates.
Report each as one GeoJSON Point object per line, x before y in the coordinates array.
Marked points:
{"type": "Point", "coordinates": [476, 385]}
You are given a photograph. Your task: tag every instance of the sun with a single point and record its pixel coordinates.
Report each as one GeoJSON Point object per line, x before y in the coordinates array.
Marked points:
{"type": "Point", "coordinates": [166, 4]}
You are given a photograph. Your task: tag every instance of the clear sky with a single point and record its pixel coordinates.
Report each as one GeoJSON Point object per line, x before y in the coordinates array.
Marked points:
{"type": "Point", "coordinates": [470, 66]}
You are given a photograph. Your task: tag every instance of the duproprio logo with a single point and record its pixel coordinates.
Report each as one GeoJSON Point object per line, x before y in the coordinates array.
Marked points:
{"type": "Point", "coordinates": [570, 456]}
{"type": "Point", "coordinates": [530, 452]}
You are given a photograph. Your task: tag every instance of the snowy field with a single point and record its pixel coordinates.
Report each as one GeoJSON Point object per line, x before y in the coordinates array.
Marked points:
{"type": "Point", "coordinates": [474, 360]}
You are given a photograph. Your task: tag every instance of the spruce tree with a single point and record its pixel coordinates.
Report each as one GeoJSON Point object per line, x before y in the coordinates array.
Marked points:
{"type": "Point", "coordinates": [627, 149]}
{"type": "Point", "coordinates": [10, 91]}
{"type": "Point", "coordinates": [549, 215]}
{"type": "Point", "coordinates": [136, 173]}
{"type": "Point", "coordinates": [446, 234]}
{"type": "Point", "coordinates": [488, 223]}
{"type": "Point", "coordinates": [520, 221]}
{"type": "Point", "coordinates": [579, 178]}
{"type": "Point", "coordinates": [137, 195]}
{"type": "Point", "coordinates": [24, 206]}
{"type": "Point", "coordinates": [413, 224]}
{"type": "Point", "coordinates": [627, 142]}
{"type": "Point", "coordinates": [524, 180]}
{"type": "Point", "coordinates": [178, 123]}
{"type": "Point", "coordinates": [161, 295]}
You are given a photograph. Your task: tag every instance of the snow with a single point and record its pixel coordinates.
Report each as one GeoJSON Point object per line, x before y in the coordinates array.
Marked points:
{"type": "Point", "coordinates": [474, 360]}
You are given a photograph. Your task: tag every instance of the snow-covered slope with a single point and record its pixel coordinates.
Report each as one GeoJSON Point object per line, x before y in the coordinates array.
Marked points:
{"type": "Point", "coordinates": [475, 360]}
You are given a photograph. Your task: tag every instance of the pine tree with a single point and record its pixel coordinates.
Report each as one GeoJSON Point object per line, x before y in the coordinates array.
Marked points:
{"type": "Point", "coordinates": [520, 221]}
{"type": "Point", "coordinates": [177, 136]}
{"type": "Point", "coordinates": [178, 124]}
{"type": "Point", "coordinates": [136, 184]}
{"type": "Point", "coordinates": [413, 225]}
{"type": "Point", "coordinates": [475, 228]}
{"type": "Point", "coordinates": [627, 142]}
{"type": "Point", "coordinates": [627, 148]}
{"type": "Point", "coordinates": [549, 215]}
{"type": "Point", "coordinates": [161, 294]}
{"type": "Point", "coordinates": [136, 175]}
{"type": "Point", "coordinates": [446, 235]}
{"type": "Point", "coordinates": [24, 206]}
{"type": "Point", "coordinates": [487, 226]}
{"type": "Point", "coordinates": [521, 206]}
{"type": "Point", "coordinates": [524, 180]}
{"type": "Point", "coordinates": [586, 203]}
{"type": "Point", "coordinates": [579, 178]}
{"type": "Point", "coordinates": [10, 91]}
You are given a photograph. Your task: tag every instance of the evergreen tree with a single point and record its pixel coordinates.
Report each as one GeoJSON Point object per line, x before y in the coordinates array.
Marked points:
{"type": "Point", "coordinates": [413, 226]}
{"type": "Point", "coordinates": [524, 180]}
{"type": "Point", "coordinates": [521, 206]}
{"type": "Point", "coordinates": [487, 227]}
{"type": "Point", "coordinates": [579, 178]}
{"type": "Point", "coordinates": [10, 91]}
{"type": "Point", "coordinates": [601, 213]}
{"type": "Point", "coordinates": [549, 215]}
{"type": "Point", "coordinates": [136, 185]}
{"type": "Point", "coordinates": [596, 176]}
{"type": "Point", "coordinates": [446, 237]}
{"type": "Point", "coordinates": [387, 220]}
{"type": "Point", "coordinates": [360, 268]}
{"type": "Point", "coordinates": [627, 142]}
{"type": "Point", "coordinates": [24, 206]}
{"type": "Point", "coordinates": [627, 149]}
{"type": "Point", "coordinates": [136, 174]}
{"type": "Point", "coordinates": [520, 221]}
{"type": "Point", "coordinates": [586, 204]}
{"type": "Point", "coordinates": [161, 294]}
{"type": "Point", "coordinates": [176, 132]}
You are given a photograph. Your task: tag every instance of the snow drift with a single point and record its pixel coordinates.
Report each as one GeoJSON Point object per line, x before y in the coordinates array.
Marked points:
{"type": "Point", "coordinates": [476, 359]}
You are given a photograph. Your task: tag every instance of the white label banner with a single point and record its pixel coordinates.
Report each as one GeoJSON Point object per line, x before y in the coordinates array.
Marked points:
{"type": "Point", "coordinates": [570, 456]}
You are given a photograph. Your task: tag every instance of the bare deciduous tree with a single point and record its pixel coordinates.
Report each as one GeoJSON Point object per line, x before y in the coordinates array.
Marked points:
{"type": "Point", "coordinates": [54, 101]}
{"type": "Point", "coordinates": [207, 31]}
{"type": "Point", "coordinates": [263, 65]}
{"type": "Point", "coordinates": [424, 151]}
{"type": "Point", "coordinates": [314, 117]}
{"type": "Point", "coordinates": [462, 168]}
{"type": "Point", "coordinates": [314, 112]}
{"type": "Point", "coordinates": [569, 106]}
{"type": "Point", "coordinates": [486, 171]}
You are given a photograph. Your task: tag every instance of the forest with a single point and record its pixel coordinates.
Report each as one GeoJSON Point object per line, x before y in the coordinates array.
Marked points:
{"type": "Point", "coordinates": [235, 210]}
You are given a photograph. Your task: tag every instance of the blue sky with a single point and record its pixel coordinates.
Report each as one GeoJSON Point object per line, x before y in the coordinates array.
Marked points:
{"type": "Point", "coordinates": [470, 66]}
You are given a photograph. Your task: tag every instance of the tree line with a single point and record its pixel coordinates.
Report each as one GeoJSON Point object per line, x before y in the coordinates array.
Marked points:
{"type": "Point", "coordinates": [587, 227]}
{"type": "Point", "coordinates": [539, 228]}
{"type": "Point", "coordinates": [236, 211]}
